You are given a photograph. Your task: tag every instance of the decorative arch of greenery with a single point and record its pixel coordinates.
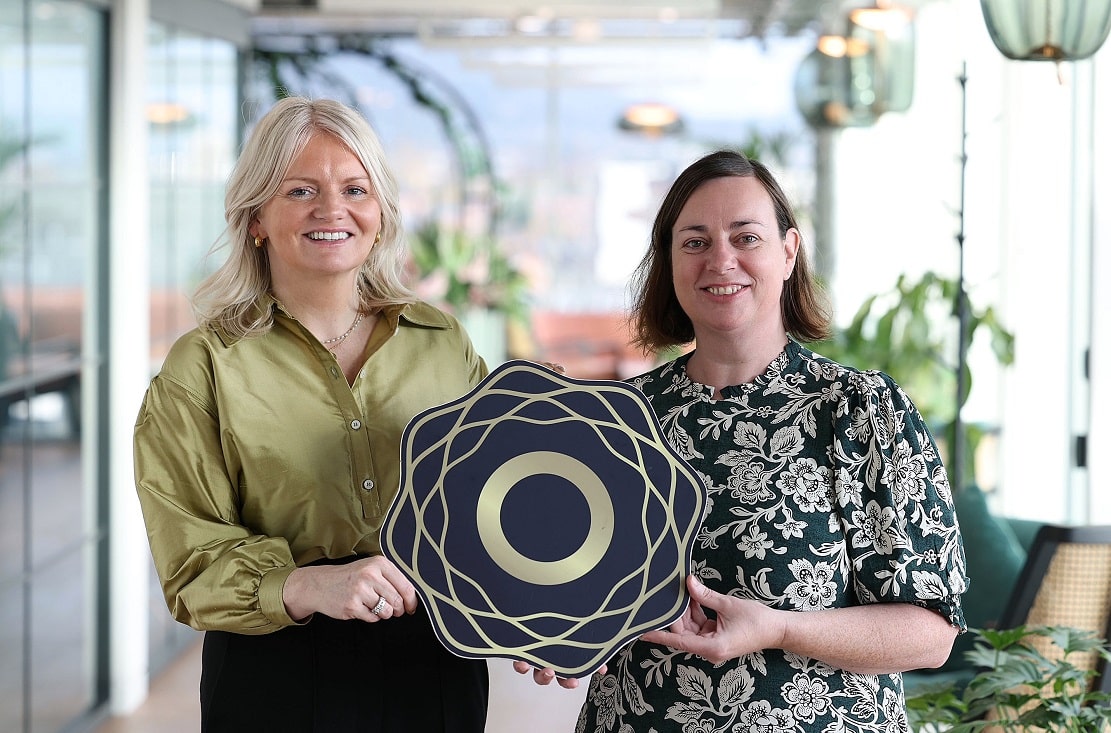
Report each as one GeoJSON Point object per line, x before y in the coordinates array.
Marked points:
{"type": "Point", "coordinates": [289, 71]}
{"type": "Point", "coordinates": [441, 251]}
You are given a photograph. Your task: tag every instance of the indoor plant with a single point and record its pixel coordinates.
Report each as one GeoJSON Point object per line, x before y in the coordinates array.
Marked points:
{"type": "Point", "coordinates": [1029, 678]}
{"type": "Point", "coordinates": [463, 272]}
{"type": "Point", "coordinates": [899, 332]}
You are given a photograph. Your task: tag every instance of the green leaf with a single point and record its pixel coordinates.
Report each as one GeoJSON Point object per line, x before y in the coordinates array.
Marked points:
{"type": "Point", "coordinates": [1072, 640]}
{"type": "Point", "coordinates": [1015, 675]}
{"type": "Point", "coordinates": [908, 332]}
{"type": "Point", "coordinates": [1004, 638]}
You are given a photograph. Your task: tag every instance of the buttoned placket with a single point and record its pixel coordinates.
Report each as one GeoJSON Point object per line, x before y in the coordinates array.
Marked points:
{"type": "Point", "coordinates": [362, 468]}
{"type": "Point", "coordinates": [370, 499]}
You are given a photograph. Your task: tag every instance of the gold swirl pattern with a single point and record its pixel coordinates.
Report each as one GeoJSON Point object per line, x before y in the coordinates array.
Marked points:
{"type": "Point", "coordinates": [544, 518]}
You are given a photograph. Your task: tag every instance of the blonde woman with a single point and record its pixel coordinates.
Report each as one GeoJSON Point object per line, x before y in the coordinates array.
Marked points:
{"type": "Point", "coordinates": [267, 449]}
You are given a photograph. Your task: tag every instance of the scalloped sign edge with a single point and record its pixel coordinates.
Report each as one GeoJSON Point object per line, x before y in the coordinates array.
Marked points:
{"type": "Point", "coordinates": [429, 596]}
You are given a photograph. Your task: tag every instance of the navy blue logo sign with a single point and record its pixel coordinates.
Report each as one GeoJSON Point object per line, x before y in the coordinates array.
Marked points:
{"type": "Point", "coordinates": [544, 518]}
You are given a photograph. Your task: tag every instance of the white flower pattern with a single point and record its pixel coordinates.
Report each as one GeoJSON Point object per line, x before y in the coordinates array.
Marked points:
{"type": "Point", "coordinates": [824, 490]}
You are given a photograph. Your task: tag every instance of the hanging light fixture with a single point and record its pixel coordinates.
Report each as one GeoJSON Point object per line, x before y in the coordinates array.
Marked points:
{"type": "Point", "coordinates": [883, 17]}
{"type": "Point", "coordinates": [833, 87]}
{"type": "Point", "coordinates": [889, 31]}
{"type": "Point", "coordinates": [168, 114]}
{"type": "Point", "coordinates": [850, 80]}
{"type": "Point", "coordinates": [1047, 30]}
{"type": "Point", "coordinates": [652, 119]}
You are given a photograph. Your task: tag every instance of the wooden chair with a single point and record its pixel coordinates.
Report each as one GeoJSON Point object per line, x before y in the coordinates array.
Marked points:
{"type": "Point", "coordinates": [1066, 581]}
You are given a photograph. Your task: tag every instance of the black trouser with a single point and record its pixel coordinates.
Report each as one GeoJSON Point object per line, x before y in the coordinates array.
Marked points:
{"type": "Point", "coordinates": [332, 676]}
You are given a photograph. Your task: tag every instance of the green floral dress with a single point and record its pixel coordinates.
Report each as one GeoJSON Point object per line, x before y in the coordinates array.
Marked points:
{"type": "Point", "coordinates": [825, 490]}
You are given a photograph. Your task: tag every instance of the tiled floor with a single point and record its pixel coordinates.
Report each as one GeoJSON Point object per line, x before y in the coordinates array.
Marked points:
{"type": "Point", "coordinates": [516, 704]}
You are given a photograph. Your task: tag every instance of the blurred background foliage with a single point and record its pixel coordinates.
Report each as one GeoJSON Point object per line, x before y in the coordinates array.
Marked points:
{"type": "Point", "coordinates": [903, 333]}
{"type": "Point", "coordinates": [464, 271]}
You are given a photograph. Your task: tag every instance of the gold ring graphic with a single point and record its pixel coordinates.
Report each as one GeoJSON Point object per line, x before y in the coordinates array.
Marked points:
{"type": "Point", "coordinates": [545, 572]}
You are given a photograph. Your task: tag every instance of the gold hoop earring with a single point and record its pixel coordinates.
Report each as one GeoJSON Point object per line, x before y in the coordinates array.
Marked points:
{"type": "Point", "coordinates": [258, 242]}
{"type": "Point", "coordinates": [378, 237]}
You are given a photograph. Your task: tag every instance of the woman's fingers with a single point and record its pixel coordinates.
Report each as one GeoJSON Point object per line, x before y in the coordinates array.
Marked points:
{"type": "Point", "coordinates": [545, 675]}
{"type": "Point", "coordinates": [383, 578]}
{"type": "Point", "coordinates": [557, 368]}
{"type": "Point", "coordinates": [381, 609]}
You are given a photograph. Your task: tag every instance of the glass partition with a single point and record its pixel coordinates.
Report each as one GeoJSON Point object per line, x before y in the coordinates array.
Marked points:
{"type": "Point", "coordinates": [52, 186]}
{"type": "Point", "coordinates": [191, 106]}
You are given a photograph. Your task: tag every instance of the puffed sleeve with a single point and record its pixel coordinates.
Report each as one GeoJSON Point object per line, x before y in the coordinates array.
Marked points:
{"type": "Point", "coordinates": [895, 503]}
{"type": "Point", "coordinates": [215, 572]}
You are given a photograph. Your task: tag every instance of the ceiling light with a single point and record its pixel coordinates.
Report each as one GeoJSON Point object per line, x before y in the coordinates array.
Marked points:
{"type": "Point", "coordinates": [840, 46]}
{"type": "Point", "coordinates": [531, 24]}
{"type": "Point", "coordinates": [167, 113]}
{"type": "Point", "coordinates": [651, 118]}
{"type": "Point", "coordinates": [587, 30]}
{"type": "Point", "coordinates": [887, 19]}
{"type": "Point", "coordinates": [668, 15]}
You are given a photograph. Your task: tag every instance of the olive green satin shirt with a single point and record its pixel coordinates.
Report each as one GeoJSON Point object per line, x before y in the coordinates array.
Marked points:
{"type": "Point", "coordinates": [255, 456]}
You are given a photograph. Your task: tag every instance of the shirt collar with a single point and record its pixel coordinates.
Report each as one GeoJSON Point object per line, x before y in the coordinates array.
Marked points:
{"type": "Point", "coordinates": [417, 313]}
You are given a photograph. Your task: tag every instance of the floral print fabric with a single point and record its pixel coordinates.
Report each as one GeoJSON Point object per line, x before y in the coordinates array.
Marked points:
{"type": "Point", "coordinates": [825, 490]}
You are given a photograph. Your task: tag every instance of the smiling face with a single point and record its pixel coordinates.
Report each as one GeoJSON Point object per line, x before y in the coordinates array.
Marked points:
{"type": "Point", "coordinates": [729, 263]}
{"type": "Point", "coordinates": [322, 222]}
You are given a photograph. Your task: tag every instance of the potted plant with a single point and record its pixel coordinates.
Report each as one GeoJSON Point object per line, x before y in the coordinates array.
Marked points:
{"type": "Point", "coordinates": [1029, 678]}
{"type": "Point", "coordinates": [473, 279]}
{"type": "Point", "coordinates": [462, 272]}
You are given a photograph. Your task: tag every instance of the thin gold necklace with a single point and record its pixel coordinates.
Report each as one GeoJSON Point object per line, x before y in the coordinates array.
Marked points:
{"type": "Point", "coordinates": [348, 332]}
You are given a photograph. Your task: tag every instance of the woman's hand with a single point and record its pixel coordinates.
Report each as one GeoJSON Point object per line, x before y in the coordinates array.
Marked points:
{"type": "Point", "coordinates": [547, 674]}
{"type": "Point", "coordinates": [557, 368]}
{"type": "Point", "coordinates": [879, 638]}
{"type": "Point", "coordinates": [371, 589]}
{"type": "Point", "coordinates": [742, 626]}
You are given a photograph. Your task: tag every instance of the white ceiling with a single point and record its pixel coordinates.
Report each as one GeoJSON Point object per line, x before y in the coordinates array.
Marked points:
{"type": "Point", "coordinates": [552, 21]}
{"type": "Point", "coordinates": [681, 45]}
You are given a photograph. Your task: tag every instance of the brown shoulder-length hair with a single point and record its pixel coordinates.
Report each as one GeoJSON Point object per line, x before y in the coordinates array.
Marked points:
{"type": "Point", "coordinates": [657, 319]}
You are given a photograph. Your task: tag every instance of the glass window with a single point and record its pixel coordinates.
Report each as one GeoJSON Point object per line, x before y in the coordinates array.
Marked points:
{"type": "Point", "coordinates": [51, 222]}
{"type": "Point", "coordinates": [192, 101]}
{"type": "Point", "coordinates": [13, 93]}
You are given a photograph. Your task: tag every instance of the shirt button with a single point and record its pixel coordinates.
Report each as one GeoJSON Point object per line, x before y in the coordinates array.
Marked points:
{"type": "Point", "coordinates": [335, 373]}
{"type": "Point", "coordinates": [368, 485]}
{"type": "Point", "coordinates": [356, 424]}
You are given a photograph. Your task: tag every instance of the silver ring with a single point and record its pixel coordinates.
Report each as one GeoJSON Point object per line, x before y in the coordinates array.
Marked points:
{"type": "Point", "coordinates": [379, 606]}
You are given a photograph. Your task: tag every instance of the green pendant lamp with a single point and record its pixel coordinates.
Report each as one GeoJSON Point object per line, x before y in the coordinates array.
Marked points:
{"type": "Point", "coordinates": [1047, 30]}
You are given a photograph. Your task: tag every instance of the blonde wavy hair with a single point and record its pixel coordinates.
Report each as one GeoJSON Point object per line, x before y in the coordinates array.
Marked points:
{"type": "Point", "coordinates": [230, 298]}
